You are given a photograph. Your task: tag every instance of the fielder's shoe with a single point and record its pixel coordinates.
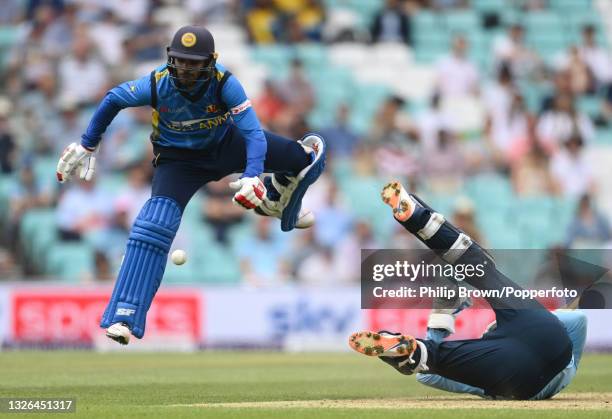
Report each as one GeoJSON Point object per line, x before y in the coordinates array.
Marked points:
{"type": "Point", "coordinates": [291, 189]}
{"type": "Point", "coordinates": [395, 349]}
{"type": "Point", "coordinates": [119, 332]}
{"type": "Point", "coordinates": [402, 203]}
{"type": "Point", "coordinates": [271, 207]}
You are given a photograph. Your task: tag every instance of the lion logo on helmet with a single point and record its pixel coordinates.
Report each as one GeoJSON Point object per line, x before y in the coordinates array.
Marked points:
{"type": "Point", "coordinates": [188, 39]}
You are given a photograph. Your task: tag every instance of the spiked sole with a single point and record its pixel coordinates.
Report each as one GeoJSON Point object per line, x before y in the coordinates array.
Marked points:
{"type": "Point", "coordinates": [375, 344]}
{"type": "Point", "coordinates": [118, 338]}
{"type": "Point", "coordinates": [392, 196]}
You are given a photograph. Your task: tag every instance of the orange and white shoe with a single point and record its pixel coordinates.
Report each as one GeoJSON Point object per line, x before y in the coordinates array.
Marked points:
{"type": "Point", "coordinates": [394, 195]}
{"type": "Point", "coordinates": [395, 349]}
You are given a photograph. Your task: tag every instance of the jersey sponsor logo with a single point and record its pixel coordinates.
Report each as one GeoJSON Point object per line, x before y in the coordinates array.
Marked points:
{"type": "Point", "coordinates": [188, 39]}
{"type": "Point", "coordinates": [241, 108]}
{"type": "Point", "coordinates": [195, 124]}
{"type": "Point", "coordinates": [164, 109]}
{"type": "Point", "coordinates": [212, 108]}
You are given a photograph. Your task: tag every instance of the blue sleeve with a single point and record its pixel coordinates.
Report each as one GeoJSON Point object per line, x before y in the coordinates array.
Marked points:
{"type": "Point", "coordinates": [441, 383]}
{"type": "Point", "coordinates": [126, 95]}
{"type": "Point", "coordinates": [244, 117]}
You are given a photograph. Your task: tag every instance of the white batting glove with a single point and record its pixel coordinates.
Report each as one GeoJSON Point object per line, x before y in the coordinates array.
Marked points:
{"type": "Point", "coordinates": [251, 192]}
{"type": "Point", "coordinates": [76, 157]}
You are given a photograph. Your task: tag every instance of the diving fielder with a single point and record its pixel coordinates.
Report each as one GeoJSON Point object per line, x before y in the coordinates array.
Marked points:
{"type": "Point", "coordinates": [204, 129]}
{"type": "Point", "coordinates": [527, 354]}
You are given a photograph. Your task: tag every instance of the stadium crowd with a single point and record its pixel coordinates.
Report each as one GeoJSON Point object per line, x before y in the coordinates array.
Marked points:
{"type": "Point", "coordinates": [67, 53]}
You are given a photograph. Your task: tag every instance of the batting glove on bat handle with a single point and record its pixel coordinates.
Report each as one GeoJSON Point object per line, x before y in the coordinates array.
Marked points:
{"type": "Point", "coordinates": [76, 157]}
{"type": "Point", "coordinates": [251, 192]}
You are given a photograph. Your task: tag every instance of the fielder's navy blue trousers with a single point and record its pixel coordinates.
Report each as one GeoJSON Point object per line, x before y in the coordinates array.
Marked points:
{"type": "Point", "coordinates": [516, 360]}
{"type": "Point", "coordinates": [179, 173]}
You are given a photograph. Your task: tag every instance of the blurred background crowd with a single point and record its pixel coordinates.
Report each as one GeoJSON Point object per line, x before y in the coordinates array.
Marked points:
{"type": "Point", "coordinates": [498, 112]}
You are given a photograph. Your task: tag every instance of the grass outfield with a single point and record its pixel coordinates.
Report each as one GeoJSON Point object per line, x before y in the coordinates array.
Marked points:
{"type": "Point", "coordinates": [270, 385]}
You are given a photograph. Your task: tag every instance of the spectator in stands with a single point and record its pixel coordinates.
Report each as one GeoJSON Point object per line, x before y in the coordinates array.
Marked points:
{"type": "Point", "coordinates": [62, 30]}
{"type": "Point", "coordinates": [263, 256]}
{"type": "Point", "coordinates": [508, 130]}
{"type": "Point", "coordinates": [456, 75]}
{"type": "Point", "coordinates": [530, 173]}
{"type": "Point", "coordinates": [391, 124]}
{"type": "Point", "coordinates": [348, 252]}
{"type": "Point", "coordinates": [311, 19]}
{"type": "Point", "coordinates": [597, 58]}
{"type": "Point", "coordinates": [29, 57]}
{"type": "Point", "coordinates": [110, 241]}
{"type": "Point", "coordinates": [7, 140]}
{"type": "Point", "coordinates": [464, 218]}
{"type": "Point", "coordinates": [69, 124]}
{"type": "Point", "coordinates": [269, 105]}
{"type": "Point", "coordinates": [580, 76]}
{"type": "Point", "coordinates": [80, 69]}
{"type": "Point", "coordinates": [103, 270]}
{"type": "Point", "coordinates": [262, 21]}
{"type": "Point", "coordinates": [562, 86]}
{"type": "Point", "coordinates": [12, 12]}
{"type": "Point", "coordinates": [444, 166]}
{"type": "Point", "coordinates": [132, 12]}
{"type": "Point", "coordinates": [108, 36]}
{"type": "Point", "coordinates": [395, 137]}
{"type": "Point", "coordinates": [136, 191]}
{"type": "Point", "coordinates": [323, 269]}
{"type": "Point", "coordinates": [589, 227]}
{"type": "Point", "coordinates": [296, 90]}
{"type": "Point", "coordinates": [334, 221]}
{"type": "Point", "coordinates": [26, 194]}
{"type": "Point", "coordinates": [571, 169]}
{"type": "Point", "coordinates": [83, 208]}
{"type": "Point", "coordinates": [218, 210]}
{"type": "Point", "coordinates": [341, 138]}
{"type": "Point", "coordinates": [392, 23]}
{"type": "Point", "coordinates": [143, 42]}
{"type": "Point", "coordinates": [431, 121]}
{"type": "Point", "coordinates": [562, 122]}
{"type": "Point", "coordinates": [511, 50]}
{"type": "Point", "coordinates": [39, 107]}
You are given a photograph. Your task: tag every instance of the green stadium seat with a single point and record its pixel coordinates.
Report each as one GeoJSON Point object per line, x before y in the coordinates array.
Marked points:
{"type": "Point", "coordinates": [489, 191]}
{"type": "Point", "coordinates": [570, 6]}
{"type": "Point", "coordinates": [6, 184]}
{"type": "Point", "coordinates": [489, 6]}
{"type": "Point", "coordinates": [466, 22]}
{"type": "Point", "coordinates": [34, 221]}
{"type": "Point", "coordinates": [590, 105]}
{"type": "Point", "coordinates": [8, 36]}
{"type": "Point", "coordinates": [217, 265]}
{"type": "Point", "coordinates": [70, 261]}
{"type": "Point", "coordinates": [543, 21]}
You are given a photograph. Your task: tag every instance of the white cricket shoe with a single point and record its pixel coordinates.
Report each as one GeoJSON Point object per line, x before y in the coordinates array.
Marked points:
{"type": "Point", "coordinates": [119, 332]}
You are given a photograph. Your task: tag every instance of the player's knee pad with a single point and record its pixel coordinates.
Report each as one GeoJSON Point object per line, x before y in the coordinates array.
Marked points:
{"type": "Point", "coordinates": [144, 264]}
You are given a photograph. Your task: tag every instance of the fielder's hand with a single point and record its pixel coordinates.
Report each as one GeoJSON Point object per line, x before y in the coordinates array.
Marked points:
{"type": "Point", "coordinates": [76, 157]}
{"type": "Point", "coordinates": [251, 192]}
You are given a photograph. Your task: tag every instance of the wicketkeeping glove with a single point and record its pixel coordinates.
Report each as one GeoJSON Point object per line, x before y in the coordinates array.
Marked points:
{"type": "Point", "coordinates": [76, 157]}
{"type": "Point", "coordinates": [251, 192]}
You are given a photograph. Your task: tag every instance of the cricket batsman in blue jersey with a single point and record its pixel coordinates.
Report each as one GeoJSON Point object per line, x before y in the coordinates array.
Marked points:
{"type": "Point", "coordinates": [204, 129]}
{"type": "Point", "coordinates": [528, 353]}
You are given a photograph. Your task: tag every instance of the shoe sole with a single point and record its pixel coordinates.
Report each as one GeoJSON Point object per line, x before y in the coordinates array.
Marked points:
{"type": "Point", "coordinates": [118, 338]}
{"type": "Point", "coordinates": [391, 195]}
{"type": "Point", "coordinates": [291, 211]}
{"type": "Point", "coordinates": [375, 344]}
